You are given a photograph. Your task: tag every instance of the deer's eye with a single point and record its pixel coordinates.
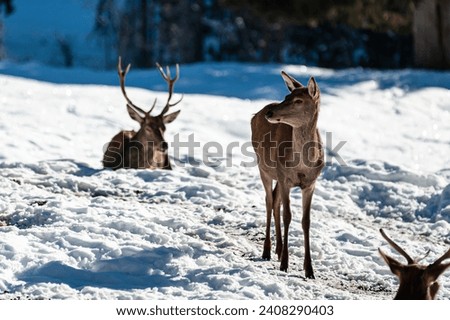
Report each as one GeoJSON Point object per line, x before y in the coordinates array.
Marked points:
{"type": "Point", "coordinates": [297, 100]}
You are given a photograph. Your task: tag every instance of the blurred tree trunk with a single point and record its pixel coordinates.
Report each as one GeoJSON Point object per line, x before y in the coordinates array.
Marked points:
{"type": "Point", "coordinates": [180, 30]}
{"type": "Point", "coordinates": [144, 58]}
{"type": "Point", "coordinates": [445, 8]}
{"type": "Point", "coordinates": [9, 9]}
{"type": "Point", "coordinates": [431, 30]}
{"type": "Point", "coordinates": [8, 6]}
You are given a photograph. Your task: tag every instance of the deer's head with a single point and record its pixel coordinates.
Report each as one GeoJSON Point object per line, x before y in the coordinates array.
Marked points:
{"type": "Point", "coordinates": [299, 107]}
{"type": "Point", "coordinates": [417, 281]}
{"type": "Point", "coordinates": [152, 127]}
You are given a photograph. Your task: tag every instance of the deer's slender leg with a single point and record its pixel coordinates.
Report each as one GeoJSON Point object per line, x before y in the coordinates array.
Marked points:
{"type": "Point", "coordinates": [284, 194]}
{"type": "Point", "coordinates": [267, 183]}
{"type": "Point", "coordinates": [307, 194]}
{"type": "Point", "coordinates": [276, 216]}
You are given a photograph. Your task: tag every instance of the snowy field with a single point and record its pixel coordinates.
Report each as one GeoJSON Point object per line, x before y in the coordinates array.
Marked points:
{"type": "Point", "coordinates": [72, 230]}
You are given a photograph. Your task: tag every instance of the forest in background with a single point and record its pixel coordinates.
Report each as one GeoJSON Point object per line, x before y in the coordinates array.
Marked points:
{"type": "Point", "coordinates": [318, 33]}
{"type": "Point", "coordinates": [377, 15]}
{"type": "Point", "coordinates": [325, 33]}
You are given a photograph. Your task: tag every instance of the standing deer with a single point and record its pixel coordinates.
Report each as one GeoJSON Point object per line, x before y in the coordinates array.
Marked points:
{"type": "Point", "coordinates": [289, 150]}
{"type": "Point", "coordinates": [417, 282]}
{"type": "Point", "coordinates": [145, 148]}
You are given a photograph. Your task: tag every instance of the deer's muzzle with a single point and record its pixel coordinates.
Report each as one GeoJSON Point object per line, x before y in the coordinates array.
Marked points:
{"type": "Point", "coordinates": [164, 146]}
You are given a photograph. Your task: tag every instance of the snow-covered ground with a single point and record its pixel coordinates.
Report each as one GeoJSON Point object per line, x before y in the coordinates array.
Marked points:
{"type": "Point", "coordinates": [73, 230]}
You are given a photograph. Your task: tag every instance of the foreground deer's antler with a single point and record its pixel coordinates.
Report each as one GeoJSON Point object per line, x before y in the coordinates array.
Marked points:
{"type": "Point", "coordinates": [417, 282]}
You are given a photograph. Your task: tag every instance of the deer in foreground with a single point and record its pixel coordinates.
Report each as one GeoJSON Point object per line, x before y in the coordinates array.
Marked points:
{"type": "Point", "coordinates": [289, 151]}
{"type": "Point", "coordinates": [146, 148]}
{"type": "Point", "coordinates": [417, 281]}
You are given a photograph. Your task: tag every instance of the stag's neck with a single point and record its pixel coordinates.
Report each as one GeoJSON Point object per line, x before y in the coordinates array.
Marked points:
{"type": "Point", "coordinates": [143, 144]}
{"type": "Point", "coordinates": [140, 135]}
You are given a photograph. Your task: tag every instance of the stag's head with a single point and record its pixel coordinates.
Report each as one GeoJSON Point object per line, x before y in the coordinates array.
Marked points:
{"type": "Point", "coordinates": [299, 107]}
{"type": "Point", "coordinates": [417, 281]}
{"type": "Point", "coordinates": [152, 126]}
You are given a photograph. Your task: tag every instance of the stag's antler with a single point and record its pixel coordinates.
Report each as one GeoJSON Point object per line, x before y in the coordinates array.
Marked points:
{"type": "Point", "coordinates": [416, 281]}
{"type": "Point", "coordinates": [166, 76]}
{"type": "Point", "coordinates": [397, 247]}
{"type": "Point", "coordinates": [122, 75]}
{"type": "Point", "coordinates": [441, 259]}
{"type": "Point", "coordinates": [424, 256]}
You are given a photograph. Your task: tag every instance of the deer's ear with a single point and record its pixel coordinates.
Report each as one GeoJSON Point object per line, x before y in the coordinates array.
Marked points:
{"type": "Point", "coordinates": [434, 288]}
{"type": "Point", "coordinates": [170, 117]}
{"type": "Point", "coordinates": [313, 88]}
{"type": "Point", "coordinates": [434, 271]}
{"type": "Point", "coordinates": [290, 82]}
{"type": "Point", "coordinates": [134, 114]}
{"type": "Point", "coordinates": [395, 266]}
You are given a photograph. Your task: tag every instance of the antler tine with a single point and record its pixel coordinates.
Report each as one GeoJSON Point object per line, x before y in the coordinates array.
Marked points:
{"type": "Point", "coordinates": [161, 70]}
{"type": "Point", "coordinates": [122, 76]}
{"type": "Point", "coordinates": [177, 75]}
{"type": "Point", "coordinates": [170, 82]}
{"type": "Point", "coordinates": [397, 247]}
{"type": "Point", "coordinates": [153, 106]}
{"type": "Point", "coordinates": [442, 258]}
{"type": "Point", "coordinates": [424, 256]}
{"type": "Point", "coordinates": [174, 104]}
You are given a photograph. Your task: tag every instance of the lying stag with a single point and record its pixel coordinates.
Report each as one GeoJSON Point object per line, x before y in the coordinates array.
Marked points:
{"type": "Point", "coordinates": [417, 282]}
{"type": "Point", "coordinates": [146, 148]}
{"type": "Point", "coordinates": [289, 150]}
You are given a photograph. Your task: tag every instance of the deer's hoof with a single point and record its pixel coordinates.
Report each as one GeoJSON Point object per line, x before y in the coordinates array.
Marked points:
{"type": "Point", "coordinates": [278, 252]}
{"type": "Point", "coordinates": [283, 268]}
{"type": "Point", "coordinates": [266, 255]}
